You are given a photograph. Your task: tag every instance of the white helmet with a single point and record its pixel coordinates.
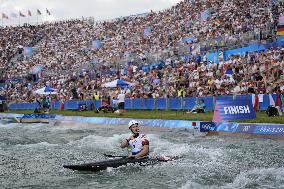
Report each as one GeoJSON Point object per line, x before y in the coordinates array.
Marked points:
{"type": "Point", "coordinates": [132, 122]}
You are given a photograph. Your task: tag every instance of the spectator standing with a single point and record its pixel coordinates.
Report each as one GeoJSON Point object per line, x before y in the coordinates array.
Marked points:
{"type": "Point", "coordinates": [121, 100]}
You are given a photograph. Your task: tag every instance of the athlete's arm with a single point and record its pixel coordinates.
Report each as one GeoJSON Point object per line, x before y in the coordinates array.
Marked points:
{"type": "Point", "coordinates": [124, 143]}
{"type": "Point", "coordinates": [143, 152]}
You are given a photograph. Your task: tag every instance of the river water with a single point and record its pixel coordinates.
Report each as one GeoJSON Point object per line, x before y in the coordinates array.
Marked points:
{"type": "Point", "coordinates": [32, 156]}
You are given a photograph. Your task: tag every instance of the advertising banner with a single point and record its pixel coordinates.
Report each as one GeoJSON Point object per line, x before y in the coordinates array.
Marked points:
{"type": "Point", "coordinates": [248, 128]}
{"type": "Point", "coordinates": [231, 110]}
{"type": "Point", "coordinates": [207, 126]}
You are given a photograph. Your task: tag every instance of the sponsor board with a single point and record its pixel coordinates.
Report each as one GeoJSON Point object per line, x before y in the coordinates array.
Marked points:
{"type": "Point", "coordinates": [207, 126]}
{"type": "Point", "coordinates": [246, 128]}
{"type": "Point", "coordinates": [227, 127]}
{"type": "Point", "coordinates": [270, 129]}
{"type": "Point", "coordinates": [230, 110]}
{"type": "Point", "coordinates": [259, 129]}
{"type": "Point", "coordinates": [39, 116]}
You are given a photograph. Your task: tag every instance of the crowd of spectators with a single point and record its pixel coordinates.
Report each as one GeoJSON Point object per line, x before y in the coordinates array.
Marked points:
{"type": "Point", "coordinates": [13, 39]}
{"type": "Point", "coordinates": [260, 73]}
{"type": "Point", "coordinates": [65, 51]}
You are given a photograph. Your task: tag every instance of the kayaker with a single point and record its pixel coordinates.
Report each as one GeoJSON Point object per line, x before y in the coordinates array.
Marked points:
{"type": "Point", "coordinates": [139, 143]}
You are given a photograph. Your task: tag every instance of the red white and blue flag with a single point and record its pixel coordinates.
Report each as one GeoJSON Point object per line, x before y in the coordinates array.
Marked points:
{"type": "Point", "coordinates": [48, 12]}
{"type": "Point", "coordinates": [21, 14]}
{"type": "Point", "coordinates": [4, 16]}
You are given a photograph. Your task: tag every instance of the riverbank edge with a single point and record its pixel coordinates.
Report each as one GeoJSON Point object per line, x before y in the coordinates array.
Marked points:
{"type": "Point", "coordinates": [120, 121]}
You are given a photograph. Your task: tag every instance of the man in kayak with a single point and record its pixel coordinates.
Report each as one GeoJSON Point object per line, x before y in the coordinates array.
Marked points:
{"type": "Point", "coordinates": [139, 143]}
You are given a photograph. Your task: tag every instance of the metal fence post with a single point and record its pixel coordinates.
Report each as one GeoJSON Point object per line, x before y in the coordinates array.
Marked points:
{"type": "Point", "coordinates": [167, 104]}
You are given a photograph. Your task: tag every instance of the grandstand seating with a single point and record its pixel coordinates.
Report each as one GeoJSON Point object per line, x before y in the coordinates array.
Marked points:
{"type": "Point", "coordinates": [158, 62]}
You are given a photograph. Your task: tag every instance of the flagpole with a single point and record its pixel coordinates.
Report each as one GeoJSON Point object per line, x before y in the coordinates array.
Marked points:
{"type": "Point", "coordinates": [15, 21]}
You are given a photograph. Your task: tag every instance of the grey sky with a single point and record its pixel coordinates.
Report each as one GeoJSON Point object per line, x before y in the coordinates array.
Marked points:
{"type": "Point", "coordinates": [64, 9]}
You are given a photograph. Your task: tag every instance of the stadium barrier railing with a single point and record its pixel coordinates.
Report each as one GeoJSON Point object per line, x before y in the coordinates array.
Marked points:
{"type": "Point", "coordinates": [186, 103]}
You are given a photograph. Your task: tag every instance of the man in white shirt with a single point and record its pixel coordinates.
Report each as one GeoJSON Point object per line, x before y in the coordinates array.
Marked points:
{"type": "Point", "coordinates": [121, 100]}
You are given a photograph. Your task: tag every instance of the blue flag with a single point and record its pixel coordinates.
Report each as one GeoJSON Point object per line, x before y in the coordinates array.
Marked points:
{"type": "Point", "coordinates": [188, 39]}
{"type": "Point", "coordinates": [96, 44]}
{"type": "Point", "coordinates": [147, 31]}
{"type": "Point", "coordinates": [205, 15]}
{"type": "Point", "coordinates": [93, 62]}
{"type": "Point", "coordinates": [28, 51]}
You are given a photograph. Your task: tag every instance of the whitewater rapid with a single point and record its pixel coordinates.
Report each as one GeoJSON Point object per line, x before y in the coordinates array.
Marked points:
{"type": "Point", "coordinates": [32, 156]}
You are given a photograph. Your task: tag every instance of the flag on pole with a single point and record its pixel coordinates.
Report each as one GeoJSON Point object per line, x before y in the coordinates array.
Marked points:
{"type": "Point", "coordinates": [188, 39]}
{"type": "Point", "coordinates": [4, 16]}
{"type": "Point", "coordinates": [271, 101]}
{"type": "Point", "coordinates": [205, 15]}
{"type": "Point", "coordinates": [48, 12]}
{"type": "Point", "coordinates": [256, 103]}
{"type": "Point", "coordinates": [38, 12]}
{"type": "Point", "coordinates": [96, 44]}
{"type": "Point", "coordinates": [14, 15]}
{"type": "Point", "coordinates": [36, 69]}
{"type": "Point", "coordinates": [29, 13]}
{"type": "Point", "coordinates": [272, 2]}
{"type": "Point", "coordinates": [21, 14]}
{"type": "Point", "coordinates": [220, 56]}
{"type": "Point", "coordinates": [281, 20]}
{"type": "Point", "coordinates": [147, 31]}
{"type": "Point", "coordinates": [28, 51]}
{"type": "Point", "coordinates": [280, 26]}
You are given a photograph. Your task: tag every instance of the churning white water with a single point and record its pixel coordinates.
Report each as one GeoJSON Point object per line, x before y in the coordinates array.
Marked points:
{"type": "Point", "coordinates": [32, 156]}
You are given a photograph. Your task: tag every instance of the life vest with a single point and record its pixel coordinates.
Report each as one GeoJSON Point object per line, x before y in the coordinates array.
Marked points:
{"type": "Point", "coordinates": [137, 143]}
